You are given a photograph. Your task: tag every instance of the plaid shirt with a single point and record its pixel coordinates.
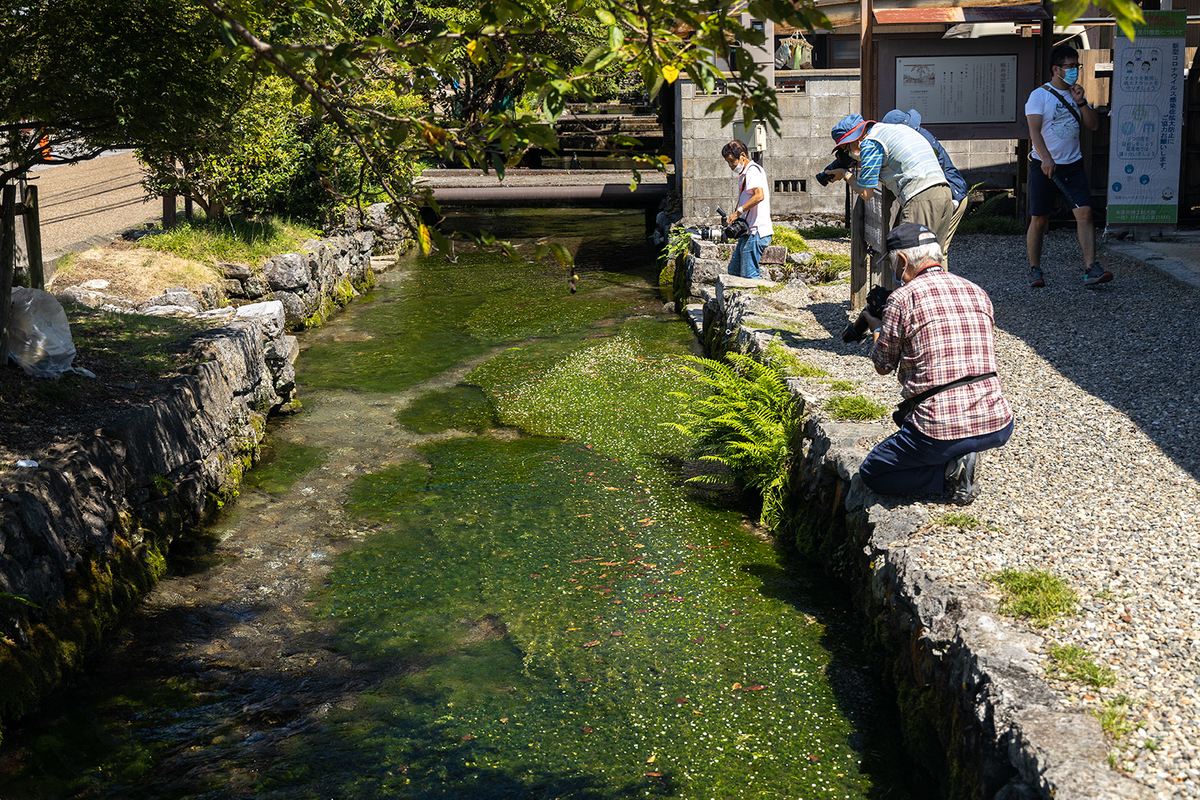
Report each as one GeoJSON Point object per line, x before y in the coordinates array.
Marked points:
{"type": "Point", "coordinates": [936, 329]}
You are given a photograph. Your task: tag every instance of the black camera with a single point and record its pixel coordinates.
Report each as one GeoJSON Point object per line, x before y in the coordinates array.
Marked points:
{"type": "Point", "coordinates": [842, 161]}
{"type": "Point", "coordinates": [726, 232]}
{"type": "Point", "coordinates": [876, 299]}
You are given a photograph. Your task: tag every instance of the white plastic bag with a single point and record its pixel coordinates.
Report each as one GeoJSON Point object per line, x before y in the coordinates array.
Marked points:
{"type": "Point", "coordinates": [39, 337]}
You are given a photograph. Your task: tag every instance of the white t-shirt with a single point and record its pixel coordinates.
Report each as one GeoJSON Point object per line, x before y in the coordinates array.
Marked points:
{"type": "Point", "coordinates": [758, 217]}
{"type": "Point", "coordinates": [1060, 129]}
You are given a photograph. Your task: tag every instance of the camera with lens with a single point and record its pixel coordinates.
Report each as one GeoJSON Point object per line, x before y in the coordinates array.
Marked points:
{"type": "Point", "coordinates": [842, 161]}
{"type": "Point", "coordinates": [726, 232]}
{"type": "Point", "coordinates": [876, 299]}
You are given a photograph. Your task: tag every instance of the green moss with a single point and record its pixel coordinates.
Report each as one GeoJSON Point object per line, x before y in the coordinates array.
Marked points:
{"type": "Point", "coordinates": [95, 597]}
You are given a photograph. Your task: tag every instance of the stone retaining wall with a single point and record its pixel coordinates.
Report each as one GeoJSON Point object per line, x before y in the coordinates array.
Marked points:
{"type": "Point", "coordinates": [86, 534]}
{"type": "Point", "coordinates": [976, 712]}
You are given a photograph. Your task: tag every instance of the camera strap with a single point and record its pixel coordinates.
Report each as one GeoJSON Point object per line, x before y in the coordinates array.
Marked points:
{"type": "Point", "coordinates": [906, 407]}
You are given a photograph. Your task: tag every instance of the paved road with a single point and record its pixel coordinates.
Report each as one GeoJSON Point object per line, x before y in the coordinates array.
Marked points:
{"type": "Point", "coordinates": [82, 204]}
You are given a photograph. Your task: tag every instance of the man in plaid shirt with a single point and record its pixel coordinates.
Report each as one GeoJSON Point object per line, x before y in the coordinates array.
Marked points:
{"type": "Point", "coordinates": [936, 333]}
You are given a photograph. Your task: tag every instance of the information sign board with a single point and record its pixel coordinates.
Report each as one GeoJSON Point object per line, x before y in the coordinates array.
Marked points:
{"type": "Point", "coordinates": [1147, 108]}
{"type": "Point", "coordinates": [958, 89]}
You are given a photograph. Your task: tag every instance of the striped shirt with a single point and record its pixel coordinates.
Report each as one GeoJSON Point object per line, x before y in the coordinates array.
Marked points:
{"type": "Point", "coordinates": [937, 328]}
{"type": "Point", "coordinates": [900, 158]}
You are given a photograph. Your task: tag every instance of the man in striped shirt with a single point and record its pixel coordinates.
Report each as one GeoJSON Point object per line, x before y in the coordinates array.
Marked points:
{"type": "Point", "coordinates": [936, 333]}
{"type": "Point", "coordinates": [902, 160]}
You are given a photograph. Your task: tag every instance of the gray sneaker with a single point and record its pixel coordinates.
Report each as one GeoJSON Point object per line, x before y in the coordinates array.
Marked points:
{"type": "Point", "coordinates": [1096, 274]}
{"type": "Point", "coordinates": [1036, 279]}
{"type": "Point", "coordinates": [960, 479]}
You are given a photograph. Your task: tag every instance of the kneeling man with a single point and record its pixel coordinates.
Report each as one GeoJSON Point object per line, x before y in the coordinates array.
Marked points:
{"type": "Point", "coordinates": [936, 333]}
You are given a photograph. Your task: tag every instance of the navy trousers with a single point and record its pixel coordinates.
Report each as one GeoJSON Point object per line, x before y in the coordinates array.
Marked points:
{"type": "Point", "coordinates": [909, 462]}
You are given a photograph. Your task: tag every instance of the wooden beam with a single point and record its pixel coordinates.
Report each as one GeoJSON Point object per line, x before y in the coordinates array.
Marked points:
{"type": "Point", "coordinates": [8, 246]}
{"type": "Point", "coordinates": [33, 238]}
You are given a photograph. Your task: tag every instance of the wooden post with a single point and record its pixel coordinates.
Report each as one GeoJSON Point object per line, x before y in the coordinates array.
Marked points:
{"type": "Point", "coordinates": [168, 211]}
{"type": "Point", "coordinates": [860, 262]}
{"type": "Point", "coordinates": [187, 208]}
{"type": "Point", "coordinates": [866, 61]}
{"type": "Point", "coordinates": [8, 246]}
{"type": "Point", "coordinates": [33, 238]}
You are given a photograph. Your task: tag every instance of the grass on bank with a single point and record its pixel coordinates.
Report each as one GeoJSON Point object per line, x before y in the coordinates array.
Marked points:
{"type": "Point", "coordinates": [1114, 716]}
{"type": "Point", "coordinates": [1073, 663]}
{"type": "Point", "coordinates": [855, 407]}
{"type": "Point", "coordinates": [1039, 596]}
{"type": "Point", "coordinates": [240, 240]}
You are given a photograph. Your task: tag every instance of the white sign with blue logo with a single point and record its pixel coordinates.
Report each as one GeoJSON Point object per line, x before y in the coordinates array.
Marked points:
{"type": "Point", "coordinates": [1146, 122]}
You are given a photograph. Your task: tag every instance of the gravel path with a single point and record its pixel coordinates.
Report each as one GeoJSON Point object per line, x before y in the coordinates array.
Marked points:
{"type": "Point", "coordinates": [1099, 484]}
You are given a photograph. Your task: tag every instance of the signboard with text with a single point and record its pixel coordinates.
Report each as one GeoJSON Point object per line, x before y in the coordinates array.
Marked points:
{"type": "Point", "coordinates": [958, 89]}
{"type": "Point", "coordinates": [1147, 109]}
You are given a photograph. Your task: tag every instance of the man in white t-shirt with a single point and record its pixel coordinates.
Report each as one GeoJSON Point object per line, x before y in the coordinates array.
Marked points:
{"type": "Point", "coordinates": [1055, 112]}
{"type": "Point", "coordinates": [753, 203]}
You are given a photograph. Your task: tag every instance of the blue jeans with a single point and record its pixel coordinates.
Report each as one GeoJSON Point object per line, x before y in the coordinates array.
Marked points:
{"type": "Point", "coordinates": [909, 462]}
{"type": "Point", "coordinates": [746, 255]}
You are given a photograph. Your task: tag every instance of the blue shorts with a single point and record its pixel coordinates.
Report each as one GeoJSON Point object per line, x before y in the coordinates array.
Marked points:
{"type": "Point", "coordinates": [1043, 190]}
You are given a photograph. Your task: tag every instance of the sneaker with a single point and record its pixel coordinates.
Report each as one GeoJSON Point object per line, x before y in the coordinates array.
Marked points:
{"type": "Point", "coordinates": [1036, 281]}
{"type": "Point", "coordinates": [1095, 274]}
{"type": "Point", "coordinates": [960, 479]}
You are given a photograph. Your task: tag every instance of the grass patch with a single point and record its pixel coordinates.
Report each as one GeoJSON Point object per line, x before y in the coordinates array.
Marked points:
{"type": "Point", "coordinates": [1073, 663]}
{"type": "Point", "coordinates": [843, 386]}
{"type": "Point", "coordinates": [239, 240]}
{"type": "Point", "coordinates": [983, 219]}
{"type": "Point", "coordinates": [824, 232]}
{"type": "Point", "coordinates": [1114, 717]}
{"type": "Point", "coordinates": [790, 239]}
{"type": "Point", "coordinates": [855, 407]}
{"type": "Point", "coordinates": [958, 519]}
{"type": "Point", "coordinates": [789, 363]}
{"type": "Point", "coordinates": [1039, 596]}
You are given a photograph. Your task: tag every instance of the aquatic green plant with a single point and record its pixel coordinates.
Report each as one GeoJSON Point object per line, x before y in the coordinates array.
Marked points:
{"type": "Point", "coordinates": [747, 424]}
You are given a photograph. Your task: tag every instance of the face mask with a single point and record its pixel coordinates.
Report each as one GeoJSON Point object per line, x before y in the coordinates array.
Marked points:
{"type": "Point", "coordinates": [1070, 76]}
{"type": "Point", "coordinates": [737, 167]}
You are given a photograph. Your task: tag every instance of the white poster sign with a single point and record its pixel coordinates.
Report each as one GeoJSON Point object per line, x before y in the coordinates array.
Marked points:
{"type": "Point", "coordinates": [1146, 117]}
{"type": "Point", "coordinates": [958, 88]}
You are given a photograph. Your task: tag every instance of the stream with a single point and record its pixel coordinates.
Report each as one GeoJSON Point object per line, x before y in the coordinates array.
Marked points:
{"type": "Point", "coordinates": [471, 566]}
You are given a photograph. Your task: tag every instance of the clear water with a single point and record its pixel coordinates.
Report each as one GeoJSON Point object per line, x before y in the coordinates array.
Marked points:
{"type": "Point", "coordinates": [542, 607]}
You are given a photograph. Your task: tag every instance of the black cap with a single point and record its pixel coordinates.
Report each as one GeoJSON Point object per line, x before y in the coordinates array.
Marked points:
{"type": "Point", "coordinates": [909, 234]}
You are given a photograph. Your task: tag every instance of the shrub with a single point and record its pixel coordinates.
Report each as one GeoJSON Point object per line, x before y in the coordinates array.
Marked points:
{"type": "Point", "coordinates": [788, 237]}
{"type": "Point", "coordinates": [747, 424]}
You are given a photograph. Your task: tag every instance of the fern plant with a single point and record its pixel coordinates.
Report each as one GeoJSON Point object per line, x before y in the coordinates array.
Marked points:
{"type": "Point", "coordinates": [747, 423]}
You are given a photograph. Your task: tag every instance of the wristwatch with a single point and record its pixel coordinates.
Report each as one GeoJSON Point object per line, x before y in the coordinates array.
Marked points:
{"type": "Point", "coordinates": [1081, 105]}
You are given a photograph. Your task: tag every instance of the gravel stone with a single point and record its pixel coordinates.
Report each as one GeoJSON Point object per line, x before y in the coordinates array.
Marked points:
{"type": "Point", "coordinates": [1099, 484]}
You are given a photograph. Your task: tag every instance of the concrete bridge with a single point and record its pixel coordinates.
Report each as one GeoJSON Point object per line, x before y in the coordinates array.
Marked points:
{"type": "Point", "coordinates": [547, 188]}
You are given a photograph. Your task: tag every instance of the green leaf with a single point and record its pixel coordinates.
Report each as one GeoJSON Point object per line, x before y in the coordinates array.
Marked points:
{"type": "Point", "coordinates": [423, 239]}
{"type": "Point", "coordinates": [605, 16]}
{"type": "Point", "coordinates": [561, 254]}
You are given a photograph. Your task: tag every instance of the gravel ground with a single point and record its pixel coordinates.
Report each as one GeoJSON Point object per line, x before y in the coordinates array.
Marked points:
{"type": "Point", "coordinates": [1099, 484]}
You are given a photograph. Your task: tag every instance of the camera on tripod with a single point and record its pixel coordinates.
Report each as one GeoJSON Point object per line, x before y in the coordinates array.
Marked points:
{"type": "Point", "coordinates": [876, 299]}
{"type": "Point", "coordinates": [842, 161]}
{"type": "Point", "coordinates": [726, 232]}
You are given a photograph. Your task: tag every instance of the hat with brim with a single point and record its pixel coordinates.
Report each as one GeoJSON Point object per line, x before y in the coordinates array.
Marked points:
{"type": "Point", "coordinates": [909, 234]}
{"type": "Point", "coordinates": [848, 129]}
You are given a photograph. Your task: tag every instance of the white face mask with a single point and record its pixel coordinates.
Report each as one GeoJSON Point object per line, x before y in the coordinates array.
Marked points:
{"type": "Point", "coordinates": [739, 166]}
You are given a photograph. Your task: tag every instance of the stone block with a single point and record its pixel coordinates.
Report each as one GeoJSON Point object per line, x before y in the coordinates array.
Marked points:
{"type": "Point", "coordinates": [235, 271]}
{"type": "Point", "coordinates": [774, 254]}
{"type": "Point", "coordinates": [287, 272]}
{"type": "Point", "coordinates": [255, 287]}
{"type": "Point", "coordinates": [176, 296]}
{"type": "Point", "coordinates": [270, 316]}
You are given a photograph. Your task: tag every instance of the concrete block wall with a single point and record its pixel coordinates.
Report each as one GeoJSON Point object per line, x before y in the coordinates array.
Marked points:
{"type": "Point", "coordinates": [706, 181]}
{"type": "Point", "coordinates": [804, 148]}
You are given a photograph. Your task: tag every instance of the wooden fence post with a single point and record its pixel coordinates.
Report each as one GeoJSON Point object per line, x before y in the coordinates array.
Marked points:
{"type": "Point", "coordinates": [168, 211]}
{"type": "Point", "coordinates": [33, 238]}
{"type": "Point", "coordinates": [8, 247]}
